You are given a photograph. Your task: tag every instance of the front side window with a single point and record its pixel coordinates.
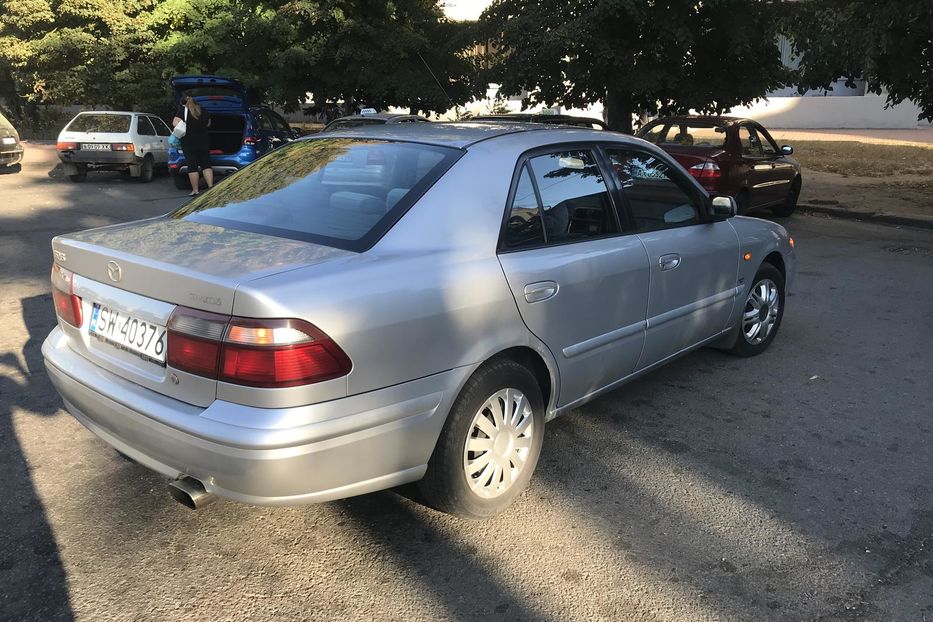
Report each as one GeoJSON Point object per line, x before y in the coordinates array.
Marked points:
{"type": "Point", "coordinates": [751, 146]}
{"type": "Point", "coordinates": [575, 201]}
{"type": "Point", "coordinates": [103, 123]}
{"type": "Point", "coordinates": [160, 127]}
{"type": "Point", "coordinates": [767, 146]}
{"type": "Point", "coordinates": [655, 198]}
{"type": "Point", "coordinates": [336, 191]}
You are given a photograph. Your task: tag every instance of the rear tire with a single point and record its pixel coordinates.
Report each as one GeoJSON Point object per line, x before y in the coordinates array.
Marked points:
{"type": "Point", "coordinates": [181, 181]}
{"type": "Point", "coordinates": [146, 170]}
{"type": "Point", "coordinates": [762, 312]}
{"type": "Point", "coordinates": [500, 413]}
{"type": "Point", "coordinates": [787, 208]}
{"type": "Point", "coordinates": [80, 176]}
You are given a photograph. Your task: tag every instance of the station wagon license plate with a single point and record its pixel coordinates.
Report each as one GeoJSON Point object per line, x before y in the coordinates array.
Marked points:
{"type": "Point", "coordinates": [129, 333]}
{"type": "Point", "coordinates": [95, 146]}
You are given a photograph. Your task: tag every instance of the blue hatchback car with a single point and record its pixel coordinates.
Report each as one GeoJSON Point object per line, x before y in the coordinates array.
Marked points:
{"type": "Point", "coordinates": [239, 133]}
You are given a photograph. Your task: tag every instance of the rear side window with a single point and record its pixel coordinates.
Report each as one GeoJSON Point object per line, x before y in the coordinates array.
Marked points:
{"type": "Point", "coordinates": [575, 201]}
{"type": "Point", "coordinates": [104, 123]}
{"type": "Point", "coordinates": [144, 127]}
{"type": "Point", "coordinates": [655, 198]}
{"type": "Point", "coordinates": [524, 224]}
{"type": "Point", "coordinates": [336, 191]}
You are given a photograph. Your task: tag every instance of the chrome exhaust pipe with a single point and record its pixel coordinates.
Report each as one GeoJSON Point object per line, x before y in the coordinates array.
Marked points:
{"type": "Point", "coordinates": [190, 493]}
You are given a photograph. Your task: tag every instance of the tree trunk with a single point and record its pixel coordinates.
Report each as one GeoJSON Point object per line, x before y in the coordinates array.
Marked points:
{"type": "Point", "coordinates": [619, 111]}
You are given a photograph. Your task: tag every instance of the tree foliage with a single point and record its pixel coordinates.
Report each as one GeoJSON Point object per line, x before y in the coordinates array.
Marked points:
{"type": "Point", "coordinates": [121, 53]}
{"type": "Point", "coordinates": [889, 44]}
{"type": "Point", "coordinates": [633, 54]}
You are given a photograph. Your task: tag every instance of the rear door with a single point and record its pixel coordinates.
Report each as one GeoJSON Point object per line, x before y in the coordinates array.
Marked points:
{"type": "Point", "coordinates": [580, 279]}
{"type": "Point", "coordinates": [783, 171]}
{"type": "Point", "coordinates": [693, 261]}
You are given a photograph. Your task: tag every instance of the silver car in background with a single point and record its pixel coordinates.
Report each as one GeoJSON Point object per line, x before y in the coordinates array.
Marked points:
{"type": "Point", "coordinates": [400, 303]}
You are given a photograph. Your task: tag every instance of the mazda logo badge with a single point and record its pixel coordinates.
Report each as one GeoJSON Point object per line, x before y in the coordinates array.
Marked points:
{"type": "Point", "coordinates": [114, 271]}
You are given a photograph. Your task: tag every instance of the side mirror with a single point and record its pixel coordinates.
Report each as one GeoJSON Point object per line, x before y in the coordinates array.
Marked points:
{"type": "Point", "coordinates": [787, 149]}
{"type": "Point", "coordinates": [723, 207]}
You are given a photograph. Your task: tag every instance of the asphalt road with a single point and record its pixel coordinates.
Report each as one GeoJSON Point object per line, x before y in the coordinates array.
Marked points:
{"type": "Point", "coordinates": [793, 486]}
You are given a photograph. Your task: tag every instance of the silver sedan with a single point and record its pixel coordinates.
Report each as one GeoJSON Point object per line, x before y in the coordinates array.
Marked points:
{"type": "Point", "coordinates": [403, 303]}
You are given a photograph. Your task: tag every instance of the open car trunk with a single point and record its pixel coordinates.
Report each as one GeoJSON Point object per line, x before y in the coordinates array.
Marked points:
{"type": "Point", "coordinates": [226, 132]}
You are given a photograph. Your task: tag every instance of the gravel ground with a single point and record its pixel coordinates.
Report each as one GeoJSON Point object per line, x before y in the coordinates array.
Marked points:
{"type": "Point", "coordinates": [794, 486]}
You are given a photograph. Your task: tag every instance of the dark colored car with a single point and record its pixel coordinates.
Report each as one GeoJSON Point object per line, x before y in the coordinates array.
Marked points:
{"type": "Point", "coordinates": [553, 119]}
{"type": "Point", "coordinates": [374, 118]}
{"type": "Point", "coordinates": [239, 133]}
{"type": "Point", "coordinates": [11, 151]}
{"type": "Point", "coordinates": [731, 156]}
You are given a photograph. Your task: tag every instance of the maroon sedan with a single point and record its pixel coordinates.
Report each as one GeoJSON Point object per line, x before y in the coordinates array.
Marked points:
{"type": "Point", "coordinates": [733, 156]}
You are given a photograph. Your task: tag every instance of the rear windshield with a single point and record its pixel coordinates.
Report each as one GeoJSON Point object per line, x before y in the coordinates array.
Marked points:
{"type": "Point", "coordinates": [685, 135]}
{"type": "Point", "coordinates": [112, 123]}
{"type": "Point", "coordinates": [336, 191]}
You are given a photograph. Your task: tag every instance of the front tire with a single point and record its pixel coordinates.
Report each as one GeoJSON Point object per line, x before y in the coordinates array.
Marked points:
{"type": "Point", "coordinates": [762, 313]}
{"type": "Point", "coordinates": [789, 205]}
{"type": "Point", "coordinates": [490, 443]}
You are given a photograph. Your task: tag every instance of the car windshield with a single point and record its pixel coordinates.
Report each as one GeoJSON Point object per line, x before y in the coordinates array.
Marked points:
{"type": "Point", "coordinates": [336, 191]}
{"type": "Point", "coordinates": [4, 123]}
{"type": "Point", "coordinates": [105, 123]}
{"type": "Point", "coordinates": [685, 135]}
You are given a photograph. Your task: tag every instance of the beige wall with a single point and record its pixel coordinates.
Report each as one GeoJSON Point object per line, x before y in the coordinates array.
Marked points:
{"type": "Point", "coordinates": [866, 111]}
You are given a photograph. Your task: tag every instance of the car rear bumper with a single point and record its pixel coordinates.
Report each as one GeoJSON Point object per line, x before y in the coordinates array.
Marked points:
{"type": "Point", "coordinates": [98, 158]}
{"type": "Point", "coordinates": [309, 454]}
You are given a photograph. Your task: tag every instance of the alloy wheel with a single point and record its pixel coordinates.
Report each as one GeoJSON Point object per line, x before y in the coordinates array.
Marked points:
{"type": "Point", "coordinates": [761, 311]}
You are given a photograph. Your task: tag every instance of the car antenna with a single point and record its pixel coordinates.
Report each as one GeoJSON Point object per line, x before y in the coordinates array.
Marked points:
{"type": "Point", "coordinates": [438, 82]}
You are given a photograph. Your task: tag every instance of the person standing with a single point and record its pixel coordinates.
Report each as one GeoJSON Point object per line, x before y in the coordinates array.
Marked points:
{"type": "Point", "coordinates": [195, 143]}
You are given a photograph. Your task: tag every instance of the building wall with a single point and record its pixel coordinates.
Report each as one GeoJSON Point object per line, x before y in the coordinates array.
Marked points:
{"type": "Point", "coordinates": [866, 111]}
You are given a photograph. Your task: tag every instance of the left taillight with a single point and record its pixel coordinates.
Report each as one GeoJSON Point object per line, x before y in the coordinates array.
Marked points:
{"type": "Point", "coordinates": [66, 146]}
{"type": "Point", "coordinates": [273, 353]}
{"type": "Point", "coordinates": [67, 303]}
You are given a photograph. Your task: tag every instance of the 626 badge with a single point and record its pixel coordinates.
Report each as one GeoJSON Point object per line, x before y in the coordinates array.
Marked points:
{"type": "Point", "coordinates": [124, 331]}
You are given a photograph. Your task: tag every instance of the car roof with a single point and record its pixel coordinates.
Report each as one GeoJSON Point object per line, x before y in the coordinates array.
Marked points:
{"type": "Point", "coordinates": [538, 117]}
{"type": "Point", "coordinates": [463, 135]}
{"type": "Point", "coordinates": [148, 114]}
{"type": "Point", "coordinates": [701, 118]}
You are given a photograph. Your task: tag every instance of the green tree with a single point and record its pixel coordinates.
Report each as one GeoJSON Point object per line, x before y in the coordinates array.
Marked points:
{"type": "Point", "coordinates": [635, 54]}
{"type": "Point", "coordinates": [889, 44]}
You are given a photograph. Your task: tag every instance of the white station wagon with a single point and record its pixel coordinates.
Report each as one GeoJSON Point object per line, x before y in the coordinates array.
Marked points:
{"type": "Point", "coordinates": [133, 142]}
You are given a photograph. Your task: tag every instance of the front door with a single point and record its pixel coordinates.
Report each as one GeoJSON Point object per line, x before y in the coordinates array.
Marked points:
{"type": "Point", "coordinates": [579, 278]}
{"type": "Point", "coordinates": [765, 184]}
{"type": "Point", "coordinates": [693, 261]}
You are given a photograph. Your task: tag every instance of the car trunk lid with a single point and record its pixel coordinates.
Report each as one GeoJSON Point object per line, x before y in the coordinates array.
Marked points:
{"type": "Point", "coordinates": [142, 270]}
{"type": "Point", "coordinates": [215, 93]}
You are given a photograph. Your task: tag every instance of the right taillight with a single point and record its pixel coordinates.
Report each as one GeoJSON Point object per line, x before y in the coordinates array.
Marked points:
{"type": "Point", "coordinates": [251, 140]}
{"type": "Point", "coordinates": [271, 353]}
{"type": "Point", "coordinates": [706, 171]}
{"type": "Point", "coordinates": [67, 304]}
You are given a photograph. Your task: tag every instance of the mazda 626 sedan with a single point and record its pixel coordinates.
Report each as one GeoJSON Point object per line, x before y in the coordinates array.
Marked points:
{"type": "Point", "coordinates": [403, 303]}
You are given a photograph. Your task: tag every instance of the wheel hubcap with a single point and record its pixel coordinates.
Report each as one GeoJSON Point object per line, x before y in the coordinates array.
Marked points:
{"type": "Point", "coordinates": [761, 311]}
{"type": "Point", "coordinates": [498, 443]}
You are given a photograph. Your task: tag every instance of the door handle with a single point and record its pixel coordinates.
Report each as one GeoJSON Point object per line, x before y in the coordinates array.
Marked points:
{"type": "Point", "coordinates": [542, 290]}
{"type": "Point", "coordinates": [669, 262]}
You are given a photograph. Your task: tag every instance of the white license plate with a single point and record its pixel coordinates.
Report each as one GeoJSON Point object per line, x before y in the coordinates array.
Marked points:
{"type": "Point", "coordinates": [95, 147]}
{"type": "Point", "coordinates": [129, 333]}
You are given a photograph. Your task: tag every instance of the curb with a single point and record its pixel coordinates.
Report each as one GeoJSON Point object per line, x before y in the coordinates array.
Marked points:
{"type": "Point", "coordinates": [886, 219]}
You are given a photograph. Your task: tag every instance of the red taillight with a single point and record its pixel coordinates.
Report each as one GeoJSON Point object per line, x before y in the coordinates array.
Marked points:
{"type": "Point", "coordinates": [706, 171]}
{"type": "Point", "coordinates": [66, 146]}
{"type": "Point", "coordinates": [259, 353]}
{"type": "Point", "coordinates": [251, 140]}
{"type": "Point", "coordinates": [67, 304]}
{"type": "Point", "coordinates": [122, 147]}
